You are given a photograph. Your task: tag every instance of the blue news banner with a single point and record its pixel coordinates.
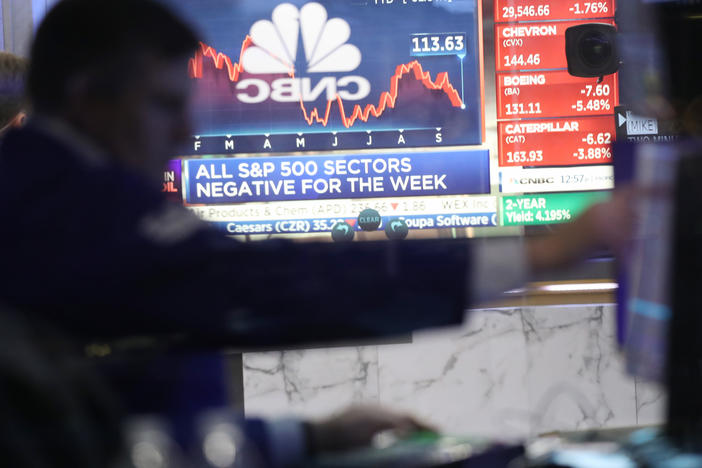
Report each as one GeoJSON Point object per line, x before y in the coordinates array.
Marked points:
{"type": "Point", "coordinates": [242, 180]}
{"type": "Point", "coordinates": [354, 176]}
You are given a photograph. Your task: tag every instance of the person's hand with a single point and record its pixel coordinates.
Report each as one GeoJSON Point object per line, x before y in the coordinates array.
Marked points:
{"type": "Point", "coordinates": [356, 426]}
{"type": "Point", "coordinates": [611, 224]}
{"type": "Point", "coordinates": [605, 225]}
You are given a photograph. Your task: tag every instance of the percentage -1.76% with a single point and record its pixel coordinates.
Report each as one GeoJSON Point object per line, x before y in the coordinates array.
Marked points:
{"type": "Point", "coordinates": [586, 8]}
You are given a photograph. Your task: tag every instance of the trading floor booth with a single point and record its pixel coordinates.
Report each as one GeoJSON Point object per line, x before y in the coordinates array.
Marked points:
{"type": "Point", "coordinates": [399, 120]}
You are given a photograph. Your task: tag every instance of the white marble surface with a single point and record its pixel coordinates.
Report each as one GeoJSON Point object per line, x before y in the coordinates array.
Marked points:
{"type": "Point", "coordinates": [469, 380]}
{"type": "Point", "coordinates": [576, 377]}
{"type": "Point", "coordinates": [309, 382]}
{"type": "Point", "coordinates": [650, 403]}
{"type": "Point", "coordinates": [505, 373]}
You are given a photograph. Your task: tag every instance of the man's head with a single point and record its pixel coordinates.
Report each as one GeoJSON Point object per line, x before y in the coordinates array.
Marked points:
{"type": "Point", "coordinates": [117, 71]}
{"type": "Point", "coordinates": [12, 76]}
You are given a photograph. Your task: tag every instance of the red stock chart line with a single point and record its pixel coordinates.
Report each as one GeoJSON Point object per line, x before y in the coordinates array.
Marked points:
{"type": "Point", "coordinates": [387, 98]}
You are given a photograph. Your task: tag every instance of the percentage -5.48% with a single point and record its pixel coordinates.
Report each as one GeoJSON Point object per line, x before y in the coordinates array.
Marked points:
{"type": "Point", "coordinates": [591, 105]}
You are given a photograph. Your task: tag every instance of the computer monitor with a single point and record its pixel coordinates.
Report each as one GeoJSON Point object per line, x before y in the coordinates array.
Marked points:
{"type": "Point", "coordinates": [665, 332]}
{"type": "Point", "coordinates": [644, 301]}
{"type": "Point", "coordinates": [684, 361]}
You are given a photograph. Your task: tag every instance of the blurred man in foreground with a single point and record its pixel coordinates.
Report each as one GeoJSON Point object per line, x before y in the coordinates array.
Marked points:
{"type": "Point", "coordinates": [89, 242]}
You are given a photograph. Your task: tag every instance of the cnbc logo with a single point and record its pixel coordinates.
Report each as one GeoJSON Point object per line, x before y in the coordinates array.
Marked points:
{"type": "Point", "coordinates": [530, 180]}
{"type": "Point", "coordinates": [323, 40]}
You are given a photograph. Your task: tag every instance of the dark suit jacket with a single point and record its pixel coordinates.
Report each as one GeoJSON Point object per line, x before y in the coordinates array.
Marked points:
{"type": "Point", "coordinates": [97, 249]}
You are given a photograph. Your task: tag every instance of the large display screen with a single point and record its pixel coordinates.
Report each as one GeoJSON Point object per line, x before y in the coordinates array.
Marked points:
{"type": "Point", "coordinates": [335, 75]}
{"type": "Point", "coordinates": [312, 116]}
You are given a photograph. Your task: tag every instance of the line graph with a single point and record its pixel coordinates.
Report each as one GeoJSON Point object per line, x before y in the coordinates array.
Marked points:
{"type": "Point", "coordinates": [313, 116]}
{"type": "Point", "coordinates": [387, 98]}
{"type": "Point", "coordinates": [316, 75]}
{"type": "Point", "coordinates": [219, 59]}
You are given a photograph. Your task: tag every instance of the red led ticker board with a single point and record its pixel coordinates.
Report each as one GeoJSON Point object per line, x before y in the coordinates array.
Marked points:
{"type": "Point", "coordinates": [536, 10]}
{"type": "Point", "coordinates": [533, 46]}
{"type": "Point", "coordinates": [554, 94]}
{"type": "Point", "coordinates": [546, 116]}
{"type": "Point", "coordinates": [557, 142]}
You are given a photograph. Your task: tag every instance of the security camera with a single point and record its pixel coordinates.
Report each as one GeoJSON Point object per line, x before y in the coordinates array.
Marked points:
{"type": "Point", "coordinates": [591, 50]}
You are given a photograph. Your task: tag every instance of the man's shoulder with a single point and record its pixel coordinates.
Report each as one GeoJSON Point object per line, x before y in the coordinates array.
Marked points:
{"type": "Point", "coordinates": [50, 145]}
{"type": "Point", "coordinates": [41, 174]}
{"type": "Point", "coordinates": [25, 146]}
{"type": "Point", "coordinates": [31, 156]}
{"type": "Point", "coordinates": [35, 157]}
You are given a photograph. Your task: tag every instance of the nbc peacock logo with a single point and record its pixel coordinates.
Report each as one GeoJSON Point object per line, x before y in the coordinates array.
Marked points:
{"type": "Point", "coordinates": [324, 41]}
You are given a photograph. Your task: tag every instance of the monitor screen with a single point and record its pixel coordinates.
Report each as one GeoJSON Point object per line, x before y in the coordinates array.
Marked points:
{"type": "Point", "coordinates": [659, 88]}
{"type": "Point", "coordinates": [659, 313]}
{"type": "Point", "coordinates": [684, 373]}
{"type": "Point", "coordinates": [393, 118]}
{"type": "Point", "coordinates": [644, 302]}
